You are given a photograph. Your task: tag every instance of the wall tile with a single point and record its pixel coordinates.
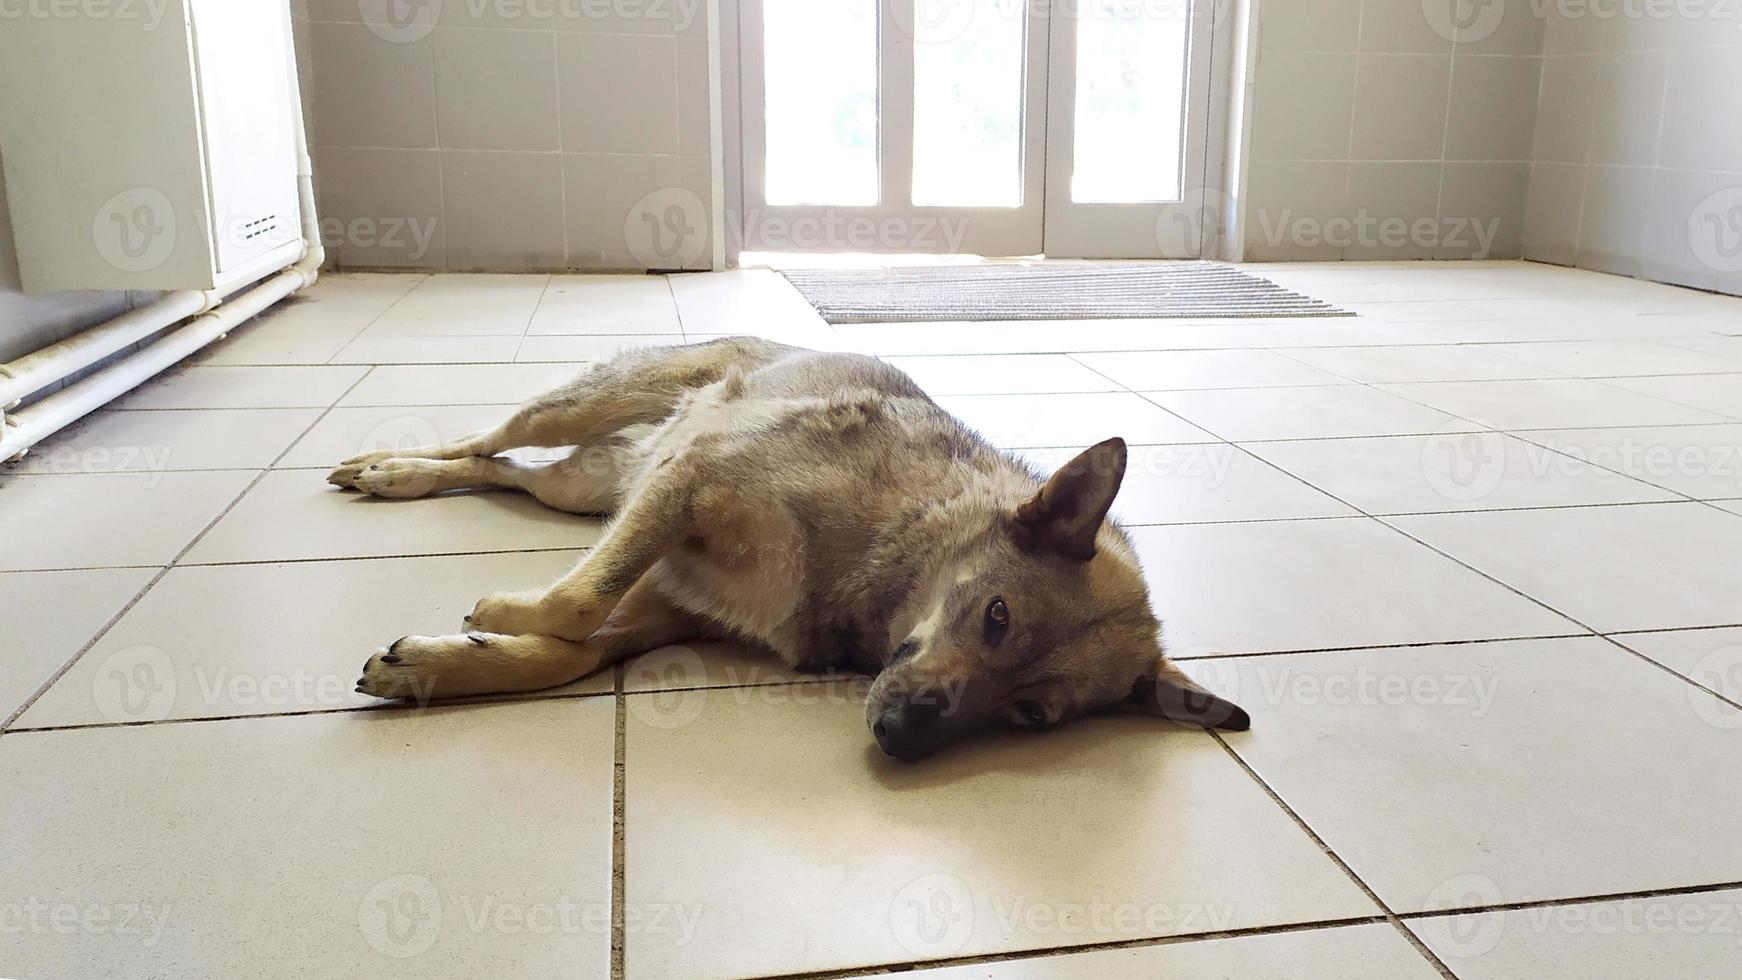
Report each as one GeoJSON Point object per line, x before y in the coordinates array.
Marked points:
{"type": "Point", "coordinates": [1553, 211]}
{"type": "Point", "coordinates": [1704, 84]}
{"type": "Point", "coordinates": [1694, 229]}
{"type": "Point", "coordinates": [369, 91]}
{"type": "Point", "coordinates": [502, 210]}
{"type": "Point", "coordinates": [1502, 28]}
{"type": "Point", "coordinates": [496, 90]}
{"type": "Point", "coordinates": [607, 194]}
{"type": "Point", "coordinates": [1310, 25]}
{"type": "Point", "coordinates": [618, 93]}
{"type": "Point", "coordinates": [694, 109]}
{"type": "Point", "coordinates": [1401, 26]}
{"type": "Point", "coordinates": [1565, 109]}
{"type": "Point", "coordinates": [1394, 206]}
{"type": "Point", "coordinates": [1612, 226]}
{"type": "Point", "coordinates": [1493, 113]}
{"type": "Point", "coordinates": [1580, 33]}
{"type": "Point", "coordinates": [1629, 108]}
{"type": "Point", "coordinates": [1400, 107]}
{"type": "Point", "coordinates": [1483, 202]}
{"type": "Point", "coordinates": [381, 207]}
{"type": "Point", "coordinates": [1303, 106]}
{"type": "Point", "coordinates": [1287, 201]}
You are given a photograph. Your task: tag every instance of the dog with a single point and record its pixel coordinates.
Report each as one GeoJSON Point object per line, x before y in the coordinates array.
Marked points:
{"type": "Point", "coordinates": [819, 506]}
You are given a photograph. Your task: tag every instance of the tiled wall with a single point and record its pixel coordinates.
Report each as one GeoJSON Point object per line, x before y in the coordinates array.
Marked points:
{"type": "Point", "coordinates": [512, 134]}
{"type": "Point", "coordinates": [1638, 151]}
{"type": "Point", "coordinates": [1382, 131]}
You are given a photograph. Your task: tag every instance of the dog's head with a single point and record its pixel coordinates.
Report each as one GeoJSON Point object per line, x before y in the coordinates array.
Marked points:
{"type": "Point", "coordinates": [1045, 618]}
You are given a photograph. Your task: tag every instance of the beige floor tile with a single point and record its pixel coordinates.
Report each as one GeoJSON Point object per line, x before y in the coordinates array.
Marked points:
{"type": "Point", "coordinates": [1551, 404]}
{"type": "Point", "coordinates": [1650, 566]}
{"type": "Point", "coordinates": [458, 304]}
{"type": "Point", "coordinates": [1455, 471]}
{"type": "Point", "coordinates": [1308, 585]}
{"type": "Point", "coordinates": [1663, 936]}
{"type": "Point", "coordinates": [458, 384]}
{"type": "Point", "coordinates": [1365, 952]}
{"type": "Point", "coordinates": [1303, 413]}
{"type": "Point", "coordinates": [175, 439]}
{"type": "Point", "coordinates": [311, 326]}
{"type": "Point", "coordinates": [1721, 393]}
{"type": "Point", "coordinates": [219, 641]}
{"type": "Point", "coordinates": [1620, 358]}
{"type": "Point", "coordinates": [606, 305]}
{"type": "Point", "coordinates": [683, 667]}
{"type": "Point", "coordinates": [294, 515]}
{"type": "Point", "coordinates": [1202, 482]}
{"type": "Point", "coordinates": [1001, 374]}
{"type": "Point", "coordinates": [346, 432]}
{"type": "Point", "coordinates": [1438, 362]}
{"type": "Point", "coordinates": [1709, 657]}
{"type": "Point", "coordinates": [747, 301]}
{"type": "Point", "coordinates": [372, 348]}
{"type": "Point", "coordinates": [244, 387]}
{"type": "Point", "coordinates": [1067, 336]}
{"type": "Point", "coordinates": [352, 844]}
{"type": "Point", "coordinates": [833, 857]}
{"type": "Point", "coordinates": [1480, 774]}
{"type": "Point", "coordinates": [105, 520]}
{"type": "Point", "coordinates": [588, 348]}
{"type": "Point", "coordinates": [38, 645]}
{"type": "Point", "coordinates": [1702, 461]}
{"type": "Point", "coordinates": [1189, 370]}
{"type": "Point", "coordinates": [1081, 420]}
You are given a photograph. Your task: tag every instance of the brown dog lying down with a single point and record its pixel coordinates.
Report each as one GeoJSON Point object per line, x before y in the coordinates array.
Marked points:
{"type": "Point", "coordinates": [818, 505]}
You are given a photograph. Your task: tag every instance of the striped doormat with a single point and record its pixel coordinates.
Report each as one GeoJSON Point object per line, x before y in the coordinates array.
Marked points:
{"type": "Point", "coordinates": [1048, 291]}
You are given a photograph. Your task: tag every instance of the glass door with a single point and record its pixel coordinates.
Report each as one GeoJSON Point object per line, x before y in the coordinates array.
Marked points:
{"type": "Point", "coordinates": [985, 127]}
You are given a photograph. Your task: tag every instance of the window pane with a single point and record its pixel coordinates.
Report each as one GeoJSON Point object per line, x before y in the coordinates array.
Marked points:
{"type": "Point", "coordinates": [1130, 112]}
{"type": "Point", "coordinates": [820, 59]}
{"type": "Point", "coordinates": [967, 106]}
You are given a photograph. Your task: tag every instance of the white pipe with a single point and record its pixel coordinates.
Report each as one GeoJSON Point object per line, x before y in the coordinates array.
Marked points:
{"type": "Point", "coordinates": [214, 314]}
{"type": "Point", "coordinates": [75, 401]}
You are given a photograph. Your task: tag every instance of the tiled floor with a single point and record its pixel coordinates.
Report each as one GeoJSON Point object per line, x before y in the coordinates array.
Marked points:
{"type": "Point", "coordinates": [1473, 560]}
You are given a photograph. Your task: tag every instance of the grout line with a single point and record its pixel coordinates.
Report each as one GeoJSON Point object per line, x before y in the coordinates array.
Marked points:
{"type": "Point", "coordinates": [1336, 858]}
{"type": "Point", "coordinates": [526, 331]}
{"type": "Point", "coordinates": [103, 631]}
{"type": "Point", "coordinates": [1577, 900]}
{"type": "Point", "coordinates": [619, 824]}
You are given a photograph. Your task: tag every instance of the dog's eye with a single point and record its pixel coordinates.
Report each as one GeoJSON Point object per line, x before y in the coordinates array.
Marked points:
{"type": "Point", "coordinates": [1032, 712]}
{"type": "Point", "coordinates": [997, 621]}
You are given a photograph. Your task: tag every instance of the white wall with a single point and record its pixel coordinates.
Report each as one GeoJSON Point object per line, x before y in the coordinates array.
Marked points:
{"type": "Point", "coordinates": [508, 134]}
{"type": "Point", "coordinates": [1380, 124]}
{"type": "Point", "coordinates": [1638, 148]}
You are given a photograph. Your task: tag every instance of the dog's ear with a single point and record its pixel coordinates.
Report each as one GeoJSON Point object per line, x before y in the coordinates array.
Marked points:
{"type": "Point", "coordinates": [1067, 512]}
{"type": "Point", "coordinates": [1170, 694]}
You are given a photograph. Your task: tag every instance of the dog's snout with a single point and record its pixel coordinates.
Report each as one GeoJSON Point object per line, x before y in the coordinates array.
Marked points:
{"type": "Point", "coordinates": [909, 729]}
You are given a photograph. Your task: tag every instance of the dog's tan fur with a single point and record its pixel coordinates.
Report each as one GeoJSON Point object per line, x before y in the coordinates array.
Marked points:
{"type": "Point", "coordinates": [818, 505]}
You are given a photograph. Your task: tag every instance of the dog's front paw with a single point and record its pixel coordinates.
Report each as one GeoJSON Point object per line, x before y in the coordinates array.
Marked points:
{"type": "Point", "coordinates": [420, 668]}
{"type": "Point", "coordinates": [346, 473]}
{"type": "Point", "coordinates": [512, 613]}
{"type": "Point", "coordinates": [400, 479]}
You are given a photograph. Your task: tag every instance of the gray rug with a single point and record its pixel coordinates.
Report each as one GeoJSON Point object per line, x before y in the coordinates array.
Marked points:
{"type": "Point", "coordinates": [1048, 291]}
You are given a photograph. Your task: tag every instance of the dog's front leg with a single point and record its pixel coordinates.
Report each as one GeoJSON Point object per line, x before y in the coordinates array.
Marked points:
{"type": "Point", "coordinates": [652, 521]}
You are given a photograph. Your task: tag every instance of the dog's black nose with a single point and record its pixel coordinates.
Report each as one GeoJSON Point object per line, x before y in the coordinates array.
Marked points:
{"type": "Point", "coordinates": [909, 729]}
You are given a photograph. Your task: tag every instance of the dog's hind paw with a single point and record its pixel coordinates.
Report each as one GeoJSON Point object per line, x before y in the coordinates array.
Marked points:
{"type": "Point", "coordinates": [346, 473]}
{"type": "Point", "coordinates": [402, 479]}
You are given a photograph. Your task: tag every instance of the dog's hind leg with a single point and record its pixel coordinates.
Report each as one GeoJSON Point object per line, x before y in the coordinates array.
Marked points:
{"type": "Point", "coordinates": [428, 667]}
{"type": "Point", "coordinates": [583, 482]}
{"type": "Point", "coordinates": [636, 387]}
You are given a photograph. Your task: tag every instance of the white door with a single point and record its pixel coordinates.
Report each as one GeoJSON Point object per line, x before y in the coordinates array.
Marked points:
{"type": "Point", "coordinates": [1077, 128]}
